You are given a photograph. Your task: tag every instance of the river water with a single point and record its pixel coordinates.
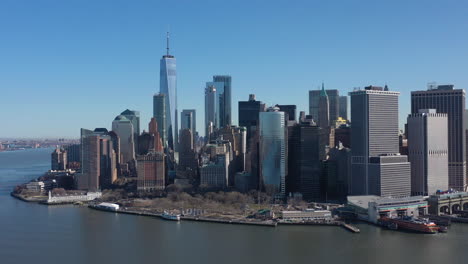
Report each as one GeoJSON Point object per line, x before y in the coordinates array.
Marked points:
{"type": "Point", "coordinates": [33, 233]}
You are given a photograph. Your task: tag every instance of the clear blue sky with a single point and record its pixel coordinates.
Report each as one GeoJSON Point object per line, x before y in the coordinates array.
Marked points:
{"type": "Point", "coordinates": [71, 64]}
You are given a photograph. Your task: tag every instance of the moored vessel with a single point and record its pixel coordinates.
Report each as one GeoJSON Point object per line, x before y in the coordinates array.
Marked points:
{"type": "Point", "coordinates": [419, 225]}
{"type": "Point", "coordinates": [169, 216]}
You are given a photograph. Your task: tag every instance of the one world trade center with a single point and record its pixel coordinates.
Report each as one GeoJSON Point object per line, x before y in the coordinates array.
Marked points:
{"type": "Point", "coordinates": [168, 87]}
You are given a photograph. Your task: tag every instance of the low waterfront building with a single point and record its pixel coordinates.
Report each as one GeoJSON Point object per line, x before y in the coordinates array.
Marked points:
{"type": "Point", "coordinates": [307, 215]}
{"type": "Point", "coordinates": [447, 203]}
{"type": "Point", "coordinates": [37, 186]}
{"type": "Point", "coordinates": [371, 207]}
{"type": "Point", "coordinates": [73, 198]}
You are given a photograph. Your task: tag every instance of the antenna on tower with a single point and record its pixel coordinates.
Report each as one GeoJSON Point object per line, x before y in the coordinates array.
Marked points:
{"type": "Point", "coordinates": [167, 43]}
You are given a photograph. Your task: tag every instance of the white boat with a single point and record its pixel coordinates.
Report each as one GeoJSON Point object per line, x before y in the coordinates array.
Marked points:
{"type": "Point", "coordinates": [168, 216]}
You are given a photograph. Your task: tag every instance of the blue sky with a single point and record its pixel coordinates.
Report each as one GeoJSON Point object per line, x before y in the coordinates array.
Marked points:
{"type": "Point", "coordinates": [71, 64]}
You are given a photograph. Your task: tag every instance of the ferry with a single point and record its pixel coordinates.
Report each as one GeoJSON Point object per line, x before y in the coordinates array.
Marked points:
{"type": "Point", "coordinates": [172, 217]}
{"type": "Point", "coordinates": [419, 225]}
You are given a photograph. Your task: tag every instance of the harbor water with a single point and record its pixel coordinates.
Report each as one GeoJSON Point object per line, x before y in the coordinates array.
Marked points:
{"type": "Point", "coordinates": [34, 233]}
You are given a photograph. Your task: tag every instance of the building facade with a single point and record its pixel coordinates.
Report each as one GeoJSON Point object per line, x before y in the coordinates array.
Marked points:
{"type": "Point", "coordinates": [188, 120]}
{"type": "Point", "coordinates": [343, 108]}
{"type": "Point", "coordinates": [168, 86]}
{"type": "Point", "coordinates": [249, 113]}
{"type": "Point", "coordinates": [151, 172]}
{"type": "Point", "coordinates": [273, 152]}
{"type": "Point", "coordinates": [333, 100]}
{"type": "Point", "coordinates": [215, 174]}
{"type": "Point", "coordinates": [225, 116]}
{"type": "Point", "coordinates": [99, 165]}
{"type": "Point", "coordinates": [159, 113]}
{"type": "Point", "coordinates": [428, 151]}
{"type": "Point", "coordinates": [123, 127]}
{"type": "Point", "coordinates": [289, 110]}
{"type": "Point", "coordinates": [323, 120]}
{"type": "Point", "coordinates": [134, 117]}
{"type": "Point", "coordinates": [59, 159]}
{"type": "Point", "coordinates": [306, 150]}
{"type": "Point", "coordinates": [211, 110]}
{"type": "Point", "coordinates": [375, 144]}
{"type": "Point", "coordinates": [446, 99]}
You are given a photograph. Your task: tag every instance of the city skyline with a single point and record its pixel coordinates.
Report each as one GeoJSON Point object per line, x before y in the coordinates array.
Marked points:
{"type": "Point", "coordinates": [116, 67]}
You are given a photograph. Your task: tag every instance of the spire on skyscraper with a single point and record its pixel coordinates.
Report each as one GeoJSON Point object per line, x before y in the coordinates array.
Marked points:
{"type": "Point", "coordinates": [323, 92]}
{"type": "Point", "coordinates": [167, 43]}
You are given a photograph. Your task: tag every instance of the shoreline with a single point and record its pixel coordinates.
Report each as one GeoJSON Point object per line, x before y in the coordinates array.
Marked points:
{"type": "Point", "coordinates": [268, 223]}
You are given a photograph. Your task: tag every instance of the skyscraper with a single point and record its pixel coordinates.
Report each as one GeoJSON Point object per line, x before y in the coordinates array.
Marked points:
{"type": "Point", "coordinates": [159, 113]}
{"type": "Point", "coordinates": [446, 99]}
{"type": "Point", "coordinates": [306, 151]}
{"type": "Point", "coordinates": [290, 110]}
{"type": "Point", "coordinates": [59, 159]}
{"type": "Point", "coordinates": [168, 86]}
{"type": "Point", "coordinates": [428, 151]}
{"type": "Point", "coordinates": [124, 129]}
{"type": "Point", "coordinates": [377, 166]}
{"type": "Point", "coordinates": [273, 152]}
{"type": "Point", "coordinates": [337, 171]}
{"type": "Point", "coordinates": [249, 112]}
{"type": "Point", "coordinates": [134, 117]}
{"type": "Point", "coordinates": [211, 109]}
{"type": "Point", "coordinates": [324, 110]}
{"type": "Point", "coordinates": [90, 161]}
{"type": "Point", "coordinates": [225, 118]}
{"type": "Point", "coordinates": [99, 165]}
{"type": "Point", "coordinates": [343, 108]}
{"type": "Point", "coordinates": [188, 120]}
{"type": "Point", "coordinates": [333, 104]}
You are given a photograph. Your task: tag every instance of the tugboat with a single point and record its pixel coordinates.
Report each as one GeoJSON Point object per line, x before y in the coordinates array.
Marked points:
{"type": "Point", "coordinates": [169, 216]}
{"type": "Point", "coordinates": [419, 225]}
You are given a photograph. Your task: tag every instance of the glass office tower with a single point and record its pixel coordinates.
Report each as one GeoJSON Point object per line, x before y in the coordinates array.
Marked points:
{"type": "Point", "coordinates": [273, 152]}
{"type": "Point", "coordinates": [168, 86]}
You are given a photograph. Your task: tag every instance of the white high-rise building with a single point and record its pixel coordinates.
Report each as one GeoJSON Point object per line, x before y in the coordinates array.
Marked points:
{"type": "Point", "coordinates": [428, 151]}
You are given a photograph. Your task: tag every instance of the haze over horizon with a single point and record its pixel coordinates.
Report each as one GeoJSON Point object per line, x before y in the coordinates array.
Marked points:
{"type": "Point", "coordinates": [71, 65]}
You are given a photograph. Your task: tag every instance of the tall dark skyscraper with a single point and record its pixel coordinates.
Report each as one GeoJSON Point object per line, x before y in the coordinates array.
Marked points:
{"type": "Point", "coordinates": [343, 108]}
{"type": "Point", "coordinates": [324, 110]}
{"type": "Point", "coordinates": [306, 149]}
{"type": "Point", "coordinates": [168, 86]}
{"type": "Point", "coordinates": [249, 115]}
{"type": "Point", "coordinates": [377, 166]}
{"type": "Point", "coordinates": [333, 104]}
{"type": "Point", "coordinates": [289, 110]}
{"type": "Point", "coordinates": [446, 99]}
